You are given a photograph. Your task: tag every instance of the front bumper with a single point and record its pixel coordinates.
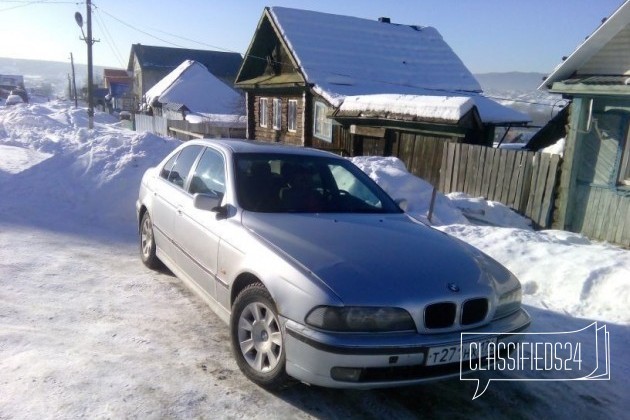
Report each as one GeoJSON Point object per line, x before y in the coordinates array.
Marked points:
{"type": "Point", "coordinates": [381, 360]}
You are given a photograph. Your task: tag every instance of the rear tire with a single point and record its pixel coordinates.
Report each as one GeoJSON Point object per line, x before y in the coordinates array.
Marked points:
{"type": "Point", "coordinates": [257, 338]}
{"type": "Point", "coordinates": [147, 243]}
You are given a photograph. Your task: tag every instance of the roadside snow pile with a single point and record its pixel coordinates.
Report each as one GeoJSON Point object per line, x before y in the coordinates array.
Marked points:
{"type": "Point", "coordinates": [560, 271]}
{"type": "Point", "coordinates": [392, 175]}
{"type": "Point", "coordinates": [488, 212]}
{"type": "Point", "coordinates": [76, 174]}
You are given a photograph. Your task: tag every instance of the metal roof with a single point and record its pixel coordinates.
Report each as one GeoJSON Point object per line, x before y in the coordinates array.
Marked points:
{"type": "Point", "coordinates": [223, 65]}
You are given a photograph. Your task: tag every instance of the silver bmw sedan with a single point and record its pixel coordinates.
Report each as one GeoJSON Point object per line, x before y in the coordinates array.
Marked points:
{"type": "Point", "coordinates": [319, 274]}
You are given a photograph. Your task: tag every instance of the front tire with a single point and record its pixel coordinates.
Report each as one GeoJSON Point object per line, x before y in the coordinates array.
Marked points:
{"type": "Point", "coordinates": [147, 243]}
{"type": "Point", "coordinates": [257, 337]}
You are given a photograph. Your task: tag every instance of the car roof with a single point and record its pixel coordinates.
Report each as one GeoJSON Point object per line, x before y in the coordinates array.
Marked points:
{"type": "Point", "coordinates": [253, 146]}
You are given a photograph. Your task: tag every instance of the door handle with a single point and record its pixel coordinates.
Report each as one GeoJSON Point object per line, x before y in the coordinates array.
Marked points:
{"type": "Point", "coordinates": [179, 211]}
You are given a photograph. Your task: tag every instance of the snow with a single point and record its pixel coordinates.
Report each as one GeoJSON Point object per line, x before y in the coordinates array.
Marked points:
{"type": "Point", "coordinates": [443, 108]}
{"type": "Point", "coordinates": [191, 84]}
{"type": "Point", "coordinates": [556, 149]}
{"type": "Point", "coordinates": [87, 331]}
{"type": "Point", "coordinates": [433, 107]}
{"type": "Point", "coordinates": [345, 56]}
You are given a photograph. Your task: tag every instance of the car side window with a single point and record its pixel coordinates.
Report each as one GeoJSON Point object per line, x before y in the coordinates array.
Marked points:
{"type": "Point", "coordinates": [184, 162]}
{"type": "Point", "coordinates": [166, 169]}
{"type": "Point", "coordinates": [209, 175]}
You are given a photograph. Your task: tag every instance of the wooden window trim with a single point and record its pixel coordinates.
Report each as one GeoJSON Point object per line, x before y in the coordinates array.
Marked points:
{"type": "Point", "coordinates": [277, 114]}
{"type": "Point", "coordinates": [292, 122]}
{"type": "Point", "coordinates": [326, 122]}
{"type": "Point", "coordinates": [263, 112]}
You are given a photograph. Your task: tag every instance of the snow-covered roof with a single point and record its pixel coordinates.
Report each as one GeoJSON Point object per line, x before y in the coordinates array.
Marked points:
{"type": "Point", "coordinates": [433, 108]}
{"type": "Point", "coordinates": [617, 22]}
{"type": "Point", "coordinates": [192, 85]}
{"type": "Point", "coordinates": [221, 64]}
{"type": "Point", "coordinates": [346, 56]}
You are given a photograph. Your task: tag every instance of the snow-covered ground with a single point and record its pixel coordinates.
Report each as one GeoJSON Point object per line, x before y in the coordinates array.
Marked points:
{"type": "Point", "coordinates": [87, 331]}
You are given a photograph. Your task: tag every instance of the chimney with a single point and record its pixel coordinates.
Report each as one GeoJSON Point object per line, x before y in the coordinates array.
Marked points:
{"type": "Point", "coordinates": [384, 20]}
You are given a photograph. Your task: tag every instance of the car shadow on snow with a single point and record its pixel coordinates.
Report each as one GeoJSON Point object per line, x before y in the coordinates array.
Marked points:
{"type": "Point", "coordinates": [503, 399]}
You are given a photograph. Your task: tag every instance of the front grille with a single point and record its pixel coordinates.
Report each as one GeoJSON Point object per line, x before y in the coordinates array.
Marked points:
{"type": "Point", "coordinates": [474, 311]}
{"type": "Point", "coordinates": [443, 314]}
{"type": "Point", "coordinates": [440, 315]}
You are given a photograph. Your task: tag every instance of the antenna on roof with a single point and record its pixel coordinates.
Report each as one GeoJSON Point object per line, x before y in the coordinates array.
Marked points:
{"type": "Point", "coordinates": [385, 20]}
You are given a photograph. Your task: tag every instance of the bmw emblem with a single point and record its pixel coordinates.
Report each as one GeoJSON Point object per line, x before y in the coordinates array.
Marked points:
{"type": "Point", "coordinates": [453, 287]}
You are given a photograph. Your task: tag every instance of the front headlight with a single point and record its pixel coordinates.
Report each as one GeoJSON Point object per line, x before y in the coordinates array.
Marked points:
{"type": "Point", "coordinates": [509, 303]}
{"type": "Point", "coordinates": [360, 319]}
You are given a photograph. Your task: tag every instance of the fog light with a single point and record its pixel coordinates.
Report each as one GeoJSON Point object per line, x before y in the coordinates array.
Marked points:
{"type": "Point", "coordinates": [346, 374]}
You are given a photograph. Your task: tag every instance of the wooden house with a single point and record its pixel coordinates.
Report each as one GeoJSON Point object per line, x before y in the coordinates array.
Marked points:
{"type": "Point", "coordinates": [150, 64]}
{"type": "Point", "coordinates": [303, 67]}
{"type": "Point", "coordinates": [118, 83]}
{"type": "Point", "coordinates": [594, 191]}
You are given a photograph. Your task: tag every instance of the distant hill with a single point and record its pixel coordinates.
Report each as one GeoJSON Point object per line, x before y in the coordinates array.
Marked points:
{"type": "Point", "coordinates": [510, 82]}
{"type": "Point", "coordinates": [50, 77]}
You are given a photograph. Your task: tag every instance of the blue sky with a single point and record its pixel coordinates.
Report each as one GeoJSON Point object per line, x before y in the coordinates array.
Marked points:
{"type": "Point", "coordinates": [488, 35]}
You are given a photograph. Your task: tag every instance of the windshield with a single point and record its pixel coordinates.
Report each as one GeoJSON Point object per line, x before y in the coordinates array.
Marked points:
{"type": "Point", "coordinates": [285, 183]}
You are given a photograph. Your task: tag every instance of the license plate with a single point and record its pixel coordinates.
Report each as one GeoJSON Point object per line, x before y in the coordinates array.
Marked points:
{"type": "Point", "coordinates": [452, 354]}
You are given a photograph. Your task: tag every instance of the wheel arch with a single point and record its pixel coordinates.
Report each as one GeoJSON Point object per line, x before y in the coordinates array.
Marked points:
{"type": "Point", "coordinates": [143, 209]}
{"type": "Point", "coordinates": [241, 282]}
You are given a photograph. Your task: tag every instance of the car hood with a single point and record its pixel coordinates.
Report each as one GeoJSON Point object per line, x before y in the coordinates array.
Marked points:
{"type": "Point", "coordinates": [369, 259]}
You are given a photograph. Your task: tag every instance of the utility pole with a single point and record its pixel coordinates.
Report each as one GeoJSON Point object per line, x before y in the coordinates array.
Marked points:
{"type": "Point", "coordinates": [89, 41]}
{"type": "Point", "coordinates": [73, 88]}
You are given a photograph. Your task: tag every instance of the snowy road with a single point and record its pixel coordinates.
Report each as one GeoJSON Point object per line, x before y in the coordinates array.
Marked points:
{"type": "Point", "coordinates": [87, 331]}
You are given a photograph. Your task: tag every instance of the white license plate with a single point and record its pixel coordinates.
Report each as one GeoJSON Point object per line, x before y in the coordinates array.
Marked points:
{"type": "Point", "coordinates": [451, 354]}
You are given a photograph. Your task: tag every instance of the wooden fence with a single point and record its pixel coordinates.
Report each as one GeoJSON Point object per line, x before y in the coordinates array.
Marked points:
{"type": "Point", "coordinates": [524, 181]}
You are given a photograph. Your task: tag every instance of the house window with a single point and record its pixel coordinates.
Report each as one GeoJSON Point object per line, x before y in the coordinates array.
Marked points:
{"type": "Point", "coordinates": [292, 115]}
{"type": "Point", "coordinates": [262, 112]}
{"type": "Point", "coordinates": [277, 113]}
{"type": "Point", "coordinates": [323, 125]}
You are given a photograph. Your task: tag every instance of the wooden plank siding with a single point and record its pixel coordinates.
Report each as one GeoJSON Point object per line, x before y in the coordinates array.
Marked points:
{"type": "Point", "coordinates": [524, 181]}
{"type": "Point", "coordinates": [603, 215]}
{"type": "Point", "coordinates": [268, 133]}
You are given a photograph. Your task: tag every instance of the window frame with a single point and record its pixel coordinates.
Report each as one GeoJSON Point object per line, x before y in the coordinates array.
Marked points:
{"type": "Point", "coordinates": [292, 116]}
{"type": "Point", "coordinates": [277, 114]}
{"type": "Point", "coordinates": [322, 125]}
{"type": "Point", "coordinates": [263, 113]}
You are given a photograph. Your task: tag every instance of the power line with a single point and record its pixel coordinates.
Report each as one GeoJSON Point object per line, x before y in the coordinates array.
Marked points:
{"type": "Point", "coordinates": [137, 29]}
{"type": "Point", "coordinates": [109, 39]}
